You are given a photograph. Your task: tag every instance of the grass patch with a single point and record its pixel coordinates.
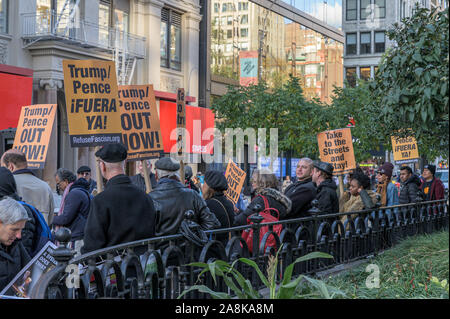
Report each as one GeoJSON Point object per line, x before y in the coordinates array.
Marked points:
{"type": "Point", "coordinates": [418, 267]}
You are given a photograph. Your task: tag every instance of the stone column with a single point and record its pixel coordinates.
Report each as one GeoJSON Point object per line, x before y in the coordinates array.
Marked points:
{"type": "Point", "coordinates": [153, 58]}
{"type": "Point", "coordinates": [191, 49]}
{"type": "Point", "coordinates": [48, 95]}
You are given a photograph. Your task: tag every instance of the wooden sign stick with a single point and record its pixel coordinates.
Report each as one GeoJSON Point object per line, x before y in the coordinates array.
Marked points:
{"type": "Point", "coordinates": [341, 185]}
{"type": "Point", "coordinates": [98, 173]}
{"type": "Point", "coordinates": [148, 185]}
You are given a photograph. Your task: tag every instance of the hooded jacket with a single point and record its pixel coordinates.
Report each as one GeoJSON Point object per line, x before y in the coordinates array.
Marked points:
{"type": "Point", "coordinates": [409, 190]}
{"type": "Point", "coordinates": [76, 209]}
{"type": "Point", "coordinates": [276, 200]}
{"type": "Point", "coordinates": [327, 197]}
{"type": "Point", "coordinates": [8, 188]}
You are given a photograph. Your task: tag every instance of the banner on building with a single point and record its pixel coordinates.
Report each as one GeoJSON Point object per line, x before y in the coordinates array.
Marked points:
{"type": "Point", "coordinates": [141, 132]}
{"type": "Point", "coordinates": [405, 150]}
{"type": "Point", "coordinates": [33, 133]}
{"type": "Point", "coordinates": [248, 62]}
{"type": "Point", "coordinates": [25, 280]}
{"type": "Point", "coordinates": [92, 102]}
{"type": "Point", "coordinates": [336, 148]}
{"type": "Point", "coordinates": [235, 178]}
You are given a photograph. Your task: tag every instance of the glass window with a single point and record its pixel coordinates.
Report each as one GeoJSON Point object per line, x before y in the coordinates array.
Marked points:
{"type": "Point", "coordinates": [170, 39]}
{"type": "Point", "coordinates": [365, 9]}
{"type": "Point", "coordinates": [224, 7]}
{"type": "Point", "coordinates": [121, 20]}
{"type": "Point", "coordinates": [244, 19]}
{"type": "Point", "coordinates": [351, 10]}
{"type": "Point", "coordinates": [229, 20]}
{"type": "Point", "coordinates": [379, 42]}
{"type": "Point", "coordinates": [365, 43]}
{"type": "Point", "coordinates": [229, 34]}
{"type": "Point", "coordinates": [350, 76]}
{"type": "Point", "coordinates": [103, 23]}
{"type": "Point", "coordinates": [3, 16]}
{"type": "Point", "coordinates": [380, 9]}
{"type": "Point", "coordinates": [351, 43]}
{"type": "Point", "coordinates": [244, 32]}
{"type": "Point", "coordinates": [216, 7]}
{"type": "Point", "coordinates": [364, 73]}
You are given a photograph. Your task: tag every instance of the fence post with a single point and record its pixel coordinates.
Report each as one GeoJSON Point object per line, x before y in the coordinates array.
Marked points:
{"type": "Point", "coordinates": [314, 211]}
{"type": "Point", "coordinates": [256, 220]}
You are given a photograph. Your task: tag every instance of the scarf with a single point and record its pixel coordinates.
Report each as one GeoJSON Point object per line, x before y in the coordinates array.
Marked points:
{"type": "Point", "coordinates": [61, 207]}
{"type": "Point", "coordinates": [382, 190]}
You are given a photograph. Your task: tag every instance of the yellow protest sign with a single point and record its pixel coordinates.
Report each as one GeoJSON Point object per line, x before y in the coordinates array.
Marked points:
{"type": "Point", "coordinates": [91, 102]}
{"type": "Point", "coordinates": [405, 149]}
{"type": "Point", "coordinates": [141, 132]}
{"type": "Point", "coordinates": [336, 148]}
{"type": "Point", "coordinates": [34, 131]}
{"type": "Point", "coordinates": [235, 178]}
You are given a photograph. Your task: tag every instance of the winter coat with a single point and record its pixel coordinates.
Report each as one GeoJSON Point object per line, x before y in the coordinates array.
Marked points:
{"type": "Point", "coordinates": [436, 189]}
{"type": "Point", "coordinates": [349, 203]}
{"type": "Point", "coordinates": [190, 184]}
{"type": "Point", "coordinates": [391, 195]}
{"type": "Point", "coordinates": [121, 213]}
{"type": "Point", "coordinates": [139, 181]}
{"type": "Point", "coordinates": [35, 192]}
{"type": "Point", "coordinates": [76, 209]}
{"type": "Point", "coordinates": [8, 188]}
{"type": "Point", "coordinates": [409, 190]}
{"type": "Point", "coordinates": [275, 199]}
{"type": "Point", "coordinates": [223, 209]}
{"type": "Point", "coordinates": [12, 259]}
{"type": "Point", "coordinates": [301, 193]}
{"type": "Point", "coordinates": [172, 199]}
{"type": "Point", "coordinates": [328, 202]}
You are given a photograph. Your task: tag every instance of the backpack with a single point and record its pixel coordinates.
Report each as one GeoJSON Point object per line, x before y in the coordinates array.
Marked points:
{"type": "Point", "coordinates": [43, 232]}
{"type": "Point", "coordinates": [247, 234]}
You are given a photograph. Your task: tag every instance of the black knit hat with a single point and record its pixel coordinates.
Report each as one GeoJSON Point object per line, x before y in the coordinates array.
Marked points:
{"type": "Point", "coordinates": [216, 180]}
{"type": "Point", "coordinates": [431, 168]}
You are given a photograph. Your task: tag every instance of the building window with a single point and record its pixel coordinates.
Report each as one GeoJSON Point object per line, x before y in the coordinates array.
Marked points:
{"type": "Point", "coordinates": [403, 9]}
{"type": "Point", "coordinates": [224, 7]}
{"type": "Point", "coordinates": [365, 9]}
{"type": "Point", "coordinates": [243, 6]}
{"type": "Point", "coordinates": [229, 34]}
{"type": "Point", "coordinates": [216, 7]}
{"type": "Point", "coordinates": [3, 16]}
{"type": "Point", "coordinates": [351, 43]}
{"type": "Point", "coordinates": [365, 43]}
{"type": "Point", "coordinates": [351, 10]}
{"type": "Point", "coordinates": [229, 20]}
{"type": "Point", "coordinates": [380, 42]}
{"type": "Point", "coordinates": [244, 32]}
{"type": "Point", "coordinates": [350, 76]}
{"type": "Point", "coordinates": [170, 39]}
{"type": "Point", "coordinates": [244, 19]}
{"type": "Point", "coordinates": [380, 9]}
{"type": "Point", "coordinates": [364, 73]}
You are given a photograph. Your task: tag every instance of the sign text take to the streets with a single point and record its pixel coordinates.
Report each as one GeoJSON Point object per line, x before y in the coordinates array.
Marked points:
{"type": "Point", "coordinates": [91, 102]}
{"type": "Point", "coordinates": [336, 148]}
{"type": "Point", "coordinates": [235, 178]}
{"type": "Point", "coordinates": [405, 149]}
{"type": "Point", "coordinates": [34, 131]}
{"type": "Point", "coordinates": [141, 132]}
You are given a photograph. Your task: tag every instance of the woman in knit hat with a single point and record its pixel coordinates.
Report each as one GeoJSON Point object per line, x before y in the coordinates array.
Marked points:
{"type": "Point", "coordinates": [387, 190]}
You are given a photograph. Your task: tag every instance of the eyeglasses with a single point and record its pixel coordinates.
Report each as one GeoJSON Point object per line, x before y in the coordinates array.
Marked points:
{"type": "Point", "coordinates": [85, 173]}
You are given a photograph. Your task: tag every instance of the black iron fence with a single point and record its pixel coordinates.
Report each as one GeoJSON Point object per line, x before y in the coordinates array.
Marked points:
{"type": "Point", "coordinates": [157, 268]}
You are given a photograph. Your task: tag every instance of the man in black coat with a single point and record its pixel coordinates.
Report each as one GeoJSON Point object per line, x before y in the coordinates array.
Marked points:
{"type": "Point", "coordinates": [13, 256]}
{"type": "Point", "coordinates": [172, 199]}
{"type": "Point", "coordinates": [410, 185]}
{"type": "Point", "coordinates": [139, 180]}
{"type": "Point", "coordinates": [122, 212]}
{"type": "Point", "coordinates": [328, 202]}
{"type": "Point", "coordinates": [85, 172]}
{"type": "Point", "coordinates": [302, 191]}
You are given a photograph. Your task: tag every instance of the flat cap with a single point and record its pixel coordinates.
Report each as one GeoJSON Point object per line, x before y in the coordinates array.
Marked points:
{"type": "Point", "coordinates": [324, 167]}
{"type": "Point", "coordinates": [216, 180]}
{"type": "Point", "coordinates": [167, 164]}
{"type": "Point", "coordinates": [83, 169]}
{"type": "Point", "coordinates": [112, 153]}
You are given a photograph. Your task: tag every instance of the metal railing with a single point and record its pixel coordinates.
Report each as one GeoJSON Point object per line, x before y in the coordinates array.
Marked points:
{"type": "Point", "coordinates": [157, 268]}
{"type": "Point", "coordinates": [52, 26]}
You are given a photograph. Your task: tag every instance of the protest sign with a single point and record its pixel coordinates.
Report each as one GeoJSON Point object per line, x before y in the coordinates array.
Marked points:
{"type": "Point", "coordinates": [248, 61]}
{"type": "Point", "coordinates": [91, 102]}
{"type": "Point", "coordinates": [405, 150]}
{"type": "Point", "coordinates": [141, 133]}
{"type": "Point", "coordinates": [24, 281]}
{"type": "Point", "coordinates": [235, 178]}
{"type": "Point", "coordinates": [34, 131]}
{"type": "Point", "coordinates": [336, 148]}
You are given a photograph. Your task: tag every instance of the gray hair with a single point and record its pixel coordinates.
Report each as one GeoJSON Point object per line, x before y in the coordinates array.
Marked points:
{"type": "Point", "coordinates": [65, 175]}
{"type": "Point", "coordinates": [163, 173]}
{"type": "Point", "coordinates": [12, 211]}
{"type": "Point", "coordinates": [309, 161]}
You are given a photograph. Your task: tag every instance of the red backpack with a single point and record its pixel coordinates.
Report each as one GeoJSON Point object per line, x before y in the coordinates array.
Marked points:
{"type": "Point", "coordinates": [247, 234]}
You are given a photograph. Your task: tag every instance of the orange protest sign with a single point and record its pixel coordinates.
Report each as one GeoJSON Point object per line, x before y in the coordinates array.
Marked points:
{"type": "Point", "coordinates": [91, 102]}
{"type": "Point", "coordinates": [405, 149]}
{"type": "Point", "coordinates": [235, 178]}
{"type": "Point", "coordinates": [34, 131]}
{"type": "Point", "coordinates": [141, 132]}
{"type": "Point", "coordinates": [336, 148]}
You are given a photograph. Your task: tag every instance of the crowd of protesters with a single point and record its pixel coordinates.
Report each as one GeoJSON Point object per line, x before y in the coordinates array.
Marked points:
{"type": "Point", "coordinates": [125, 212]}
